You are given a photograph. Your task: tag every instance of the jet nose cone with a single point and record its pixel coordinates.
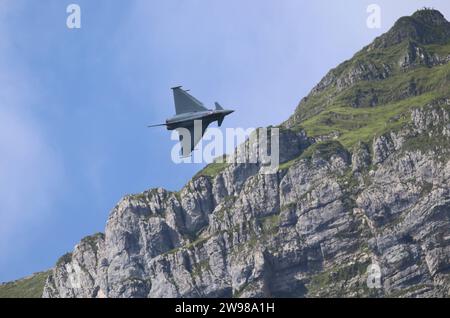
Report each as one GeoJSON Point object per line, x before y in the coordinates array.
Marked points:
{"type": "Point", "coordinates": [230, 112]}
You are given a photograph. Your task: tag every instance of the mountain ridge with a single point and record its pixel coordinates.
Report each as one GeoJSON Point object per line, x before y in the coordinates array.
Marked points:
{"type": "Point", "coordinates": [356, 97]}
{"type": "Point", "coordinates": [426, 26]}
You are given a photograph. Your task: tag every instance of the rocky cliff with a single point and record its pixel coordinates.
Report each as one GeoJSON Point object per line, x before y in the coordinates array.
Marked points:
{"type": "Point", "coordinates": [364, 181]}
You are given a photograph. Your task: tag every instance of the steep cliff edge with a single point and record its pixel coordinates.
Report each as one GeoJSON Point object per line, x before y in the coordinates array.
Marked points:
{"type": "Point", "coordinates": [364, 180]}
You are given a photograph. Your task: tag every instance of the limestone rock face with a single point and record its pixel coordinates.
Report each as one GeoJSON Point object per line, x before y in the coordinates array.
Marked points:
{"type": "Point", "coordinates": [311, 229]}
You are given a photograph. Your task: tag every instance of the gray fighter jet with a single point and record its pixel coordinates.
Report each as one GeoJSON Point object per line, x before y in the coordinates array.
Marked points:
{"type": "Point", "coordinates": [192, 116]}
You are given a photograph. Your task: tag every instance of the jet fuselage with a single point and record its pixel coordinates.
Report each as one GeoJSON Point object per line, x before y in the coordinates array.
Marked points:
{"type": "Point", "coordinates": [187, 119]}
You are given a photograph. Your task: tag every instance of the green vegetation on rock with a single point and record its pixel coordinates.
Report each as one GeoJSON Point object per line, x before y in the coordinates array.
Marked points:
{"type": "Point", "coordinates": [199, 268]}
{"type": "Point", "coordinates": [323, 150]}
{"type": "Point", "coordinates": [92, 240]}
{"type": "Point", "coordinates": [66, 258]}
{"type": "Point", "coordinates": [212, 170]}
{"type": "Point", "coordinates": [373, 92]}
{"type": "Point", "coordinates": [29, 287]}
{"type": "Point", "coordinates": [337, 279]}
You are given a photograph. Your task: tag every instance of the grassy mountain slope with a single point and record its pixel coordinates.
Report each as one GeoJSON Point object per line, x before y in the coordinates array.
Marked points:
{"type": "Point", "coordinates": [29, 287]}
{"type": "Point", "coordinates": [370, 94]}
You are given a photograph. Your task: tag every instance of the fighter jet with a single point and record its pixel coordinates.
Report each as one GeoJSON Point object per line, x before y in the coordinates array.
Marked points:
{"type": "Point", "coordinates": [193, 116]}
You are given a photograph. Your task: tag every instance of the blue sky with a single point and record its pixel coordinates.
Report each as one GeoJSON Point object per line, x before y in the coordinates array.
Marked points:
{"type": "Point", "coordinates": [74, 104]}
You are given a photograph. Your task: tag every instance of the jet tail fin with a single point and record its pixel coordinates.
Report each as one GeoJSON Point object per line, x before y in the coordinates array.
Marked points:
{"type": "Point", "coordinates": [218, 107]}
